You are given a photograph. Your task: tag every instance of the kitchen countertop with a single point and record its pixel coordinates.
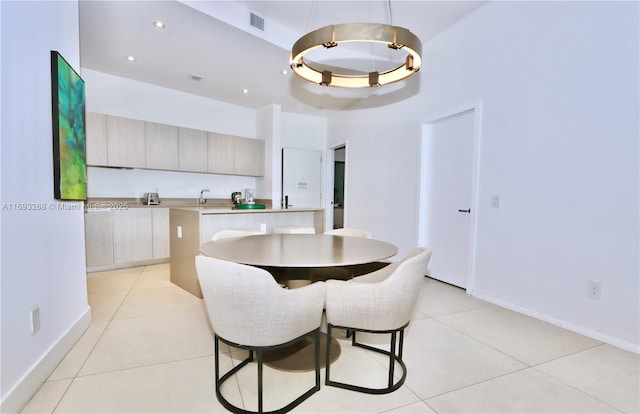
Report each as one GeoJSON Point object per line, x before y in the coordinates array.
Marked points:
{"type": "Point", "coordinates": [223, 210]}
{"type": "Point", "coordinates": [213, 205]}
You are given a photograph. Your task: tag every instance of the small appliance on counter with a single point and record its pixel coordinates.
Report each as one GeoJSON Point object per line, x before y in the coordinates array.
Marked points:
{"type": "Point", "coordinates": [236, 197]}
{"type": "Point", "coordinates": [250, 195]}
{"type": "Point", "coordinates": [246, 203]}
{"type": "Point", "coordinates": [151, 199]}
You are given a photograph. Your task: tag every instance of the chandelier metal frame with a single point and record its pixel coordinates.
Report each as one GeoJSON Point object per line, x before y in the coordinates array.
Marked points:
{"type": "Point", "coordinates": [395, 37]}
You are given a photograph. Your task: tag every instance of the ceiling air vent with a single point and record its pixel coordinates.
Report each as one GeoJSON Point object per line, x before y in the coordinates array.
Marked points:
{"type": "Point", "coordinates": [257, 21]}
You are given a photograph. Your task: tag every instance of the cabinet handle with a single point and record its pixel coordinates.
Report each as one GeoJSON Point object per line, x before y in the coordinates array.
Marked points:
{"type": "Point", "coordinates": [465, 211]}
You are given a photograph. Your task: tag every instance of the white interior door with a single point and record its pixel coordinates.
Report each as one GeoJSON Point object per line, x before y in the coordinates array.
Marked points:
{"type": "Point", "coordinates": [446, 196]}
{"type": "Point", "coordinates": [301, 177]}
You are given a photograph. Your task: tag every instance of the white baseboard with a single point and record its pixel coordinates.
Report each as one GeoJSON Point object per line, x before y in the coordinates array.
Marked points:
{"type": "Point", "coordinates": [18, 397]}
{"type": "Point", "coordinates": [598, 336]}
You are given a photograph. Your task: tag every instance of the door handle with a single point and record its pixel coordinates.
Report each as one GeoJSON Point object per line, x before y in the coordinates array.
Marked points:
{"type": "Point", "coordinates": [465, 211]}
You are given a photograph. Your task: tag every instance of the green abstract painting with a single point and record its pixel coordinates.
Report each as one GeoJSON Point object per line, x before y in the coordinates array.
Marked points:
{"type": "Point", "coordinates": [69, 133]}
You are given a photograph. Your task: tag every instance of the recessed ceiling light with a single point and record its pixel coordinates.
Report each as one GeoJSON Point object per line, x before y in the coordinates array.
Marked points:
{"type": "Point", "coordinates": [131, 58]}
{"type": "Point", "coordinates": [159, 24]}
{"type": "Point", "coordinates": [285, 72]}
{"type": "Point", "coordinates": [245, 91]}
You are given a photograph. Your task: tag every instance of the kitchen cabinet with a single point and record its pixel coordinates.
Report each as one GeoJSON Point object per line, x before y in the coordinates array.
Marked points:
{"type": "Point", "coordinates": [161, 146]}
{"type": "Point", "coordinates": [220, 153]}
{"type": "Point", "coordinates": [124, 238]}
{"type": "Point", "coordinates": [132, 235]}
{"type": "Point", "coordinates": [248, 156]}
{"type": "Point", "coordinates": [99, 238]}
{"type": "Point", "coordinates": [114, 141]}
{"type": "Point", "coordinates": [192, 150]}
{"type": "Point", "coordinates": [96, 143]}
{"type": "Point", "coordinates": [160, 232]}
{"type": "Point", "coordinates": [125, 142]}
{"type": "Point", "coordinates": [229, 154]}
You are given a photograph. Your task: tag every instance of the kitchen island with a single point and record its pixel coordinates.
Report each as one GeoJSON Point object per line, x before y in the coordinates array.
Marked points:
{"type": "Point", "coordinates": [191, 227]}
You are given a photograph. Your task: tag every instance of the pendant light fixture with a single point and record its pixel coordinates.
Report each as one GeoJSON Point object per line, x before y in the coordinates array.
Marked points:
{"type": "Point", "coordinates": [395, 37]}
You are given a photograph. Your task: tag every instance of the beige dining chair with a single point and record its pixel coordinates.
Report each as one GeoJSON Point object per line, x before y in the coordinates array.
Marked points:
{"type": "Point", "coordinates": [293, 230]}
{"type": "Point", "coordinates": [381, 303]}
{"type": "Point", "coordinates": [295, 283]}
{"type": "Point", "coordinates": [346, 231]}
{"type": "Point", "coordinates": [248, 310]}
{"type": "Point", "coordinates": [228, 234]}
{"type": "Point", "coordinates": [350, 271]}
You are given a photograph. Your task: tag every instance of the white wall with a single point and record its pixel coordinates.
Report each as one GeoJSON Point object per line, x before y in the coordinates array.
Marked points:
{"type": "Point", "coordinates": [128, 98]}
{"type": "Point", "coordinates": [43, 262]}
{"type": "Point", "coordinates": [304, 131]}
{"type": "Point", "coordinates": [558, 82]}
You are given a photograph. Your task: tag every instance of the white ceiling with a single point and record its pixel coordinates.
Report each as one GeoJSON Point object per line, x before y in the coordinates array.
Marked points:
{"type": "Point", "coordinates": [213, 39]}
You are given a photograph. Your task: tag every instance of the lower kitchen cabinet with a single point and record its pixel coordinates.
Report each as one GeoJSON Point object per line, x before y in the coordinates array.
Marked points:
{"type": "Point", "coordinates": [160, 223]}
{"type": "Point", "coordinates": [118, 238]}
{"type": "Point", "coordinates": [98, 232]}
{"type": "Point", "coordinates": [132, 235]}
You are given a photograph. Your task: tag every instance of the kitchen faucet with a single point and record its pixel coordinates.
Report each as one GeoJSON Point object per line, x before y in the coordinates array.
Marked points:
{"type": "Point", "coordinates": [202, 200]}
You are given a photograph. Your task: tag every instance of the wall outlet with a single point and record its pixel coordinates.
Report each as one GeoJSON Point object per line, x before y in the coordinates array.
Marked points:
{"type": "Point", "coordinates": [263, 227]}
{"type": "Point", "coordinates": [594, 289]}
{"type": "Point", "coordinates": [496, 201]}
{"type": "Point", "coordinates": [179, 232]}
{"type": "Point", "coordinates": [35, 320]}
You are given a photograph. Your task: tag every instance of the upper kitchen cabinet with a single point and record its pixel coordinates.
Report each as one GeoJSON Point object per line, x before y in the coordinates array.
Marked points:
{"type": "Point", "coordinates": [192, 151]}
{"type": "Point", "coordinates": [161, 143]}
{"type": "Point", "coordinates": [96, 139]}
{"type": "Point", "coordinates": [229, 154]}
{"type": "Point", "coordinates": [220, 153]}
{"type": "Point", "coordinates": [248, 156]}
{"type": "Point", "coordinates": [125, 142]}
{"type": "Point", "coordinates": [114, 141]}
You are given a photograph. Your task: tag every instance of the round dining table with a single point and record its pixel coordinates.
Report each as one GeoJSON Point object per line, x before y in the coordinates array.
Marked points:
{"type": "Point", "coordinates": [299, 250]}
{"type": "Point", "coordinates": [302, 256]}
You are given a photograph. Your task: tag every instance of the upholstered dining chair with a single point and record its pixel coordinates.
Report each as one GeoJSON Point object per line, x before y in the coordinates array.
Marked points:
{"type": "Point", "coordinates": [349, 272]}
{"type": "Point", "coordinates": [347, 231]}
{"type": "Point", "coordinates": [293, 230]}
{"type": "Point", "coordinates": [227, 234]}
{"type": "Point", "coordinates": [382, 303]}
{"type": "Point", "coordinates": [248, 310]}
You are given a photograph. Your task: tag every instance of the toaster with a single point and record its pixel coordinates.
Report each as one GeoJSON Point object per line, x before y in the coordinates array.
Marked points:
{"type": "Point", "coordinates": [151, 199]}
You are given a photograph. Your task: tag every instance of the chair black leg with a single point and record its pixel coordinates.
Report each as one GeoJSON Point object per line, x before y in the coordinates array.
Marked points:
{"type": "Point", "coordinates": [393, 359]}
{"type": "Point", "coordinates": [392, 353]}
{"type": "Point", "coordinates": [260, 408]}
{"type": "Point", "coordinates": [328, 356]}
{"type": "Point", "coordinates": [316, 352]}
{"type": "Point", "coordinates": [260, 362]}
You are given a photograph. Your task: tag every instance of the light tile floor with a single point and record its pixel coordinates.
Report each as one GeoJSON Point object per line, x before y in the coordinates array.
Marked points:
{"type": "Point", "coordinates": [150, 349]}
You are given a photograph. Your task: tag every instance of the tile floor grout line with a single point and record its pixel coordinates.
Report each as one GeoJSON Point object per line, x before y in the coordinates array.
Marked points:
{"type": "Point", "coordinates": [75, 376]}
{"type": "Point", "coordinates": [153, 364]}
{"type": "Point", "coordinates": [477, 383]}
{"type": "Point", "coordinates": [483, 342]}
{"type": "Point", "coordinates": [105, 328]}
{"type": "Point", "coordinates": [576, 389]}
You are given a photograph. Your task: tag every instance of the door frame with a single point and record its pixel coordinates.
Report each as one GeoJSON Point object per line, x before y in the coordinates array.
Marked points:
{"type": "Point", "coordinates": [330, 159]}
{"type": "Point", "coordinates": [476, 108]}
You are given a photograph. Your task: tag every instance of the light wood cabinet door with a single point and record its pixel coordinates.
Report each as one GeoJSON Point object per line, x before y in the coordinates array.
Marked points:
{"type": "Point", "coordinates": [98, 230]}
{"type": "Point", "coordinates": [161, 142]}
{"type": "Point", "coordinates": [132, 235]}
{"type": "Point", "coordinates": [192, 150]}
{"type": "Point", "coordinates": [248, 156]}
{"type": "Point", "coordinates": [96, 144]}
{"type": "Point", "coordinates": [220, 152]}
{"type": "Point", "coordinates": [160, 222]}
{"type": "Point", "coordinates": [125, 142]}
